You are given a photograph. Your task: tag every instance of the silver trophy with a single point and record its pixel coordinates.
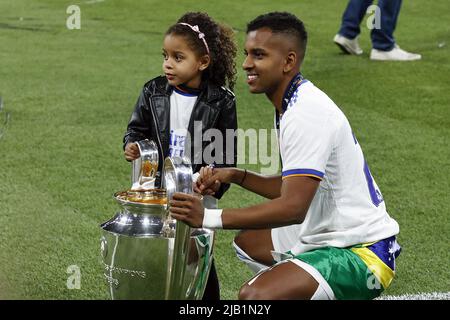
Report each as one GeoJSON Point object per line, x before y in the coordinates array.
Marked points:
{"type": "Point", "coordinates": [145, 253]}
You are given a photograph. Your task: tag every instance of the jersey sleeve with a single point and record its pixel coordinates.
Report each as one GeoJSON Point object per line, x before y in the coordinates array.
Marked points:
{"type": "Point", "coordinates": [306, 144]}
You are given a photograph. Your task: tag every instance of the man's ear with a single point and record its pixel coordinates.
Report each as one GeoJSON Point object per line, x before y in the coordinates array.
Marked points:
{"type": "Point", "coordinates": [290, 61]}
{"type": "Point", "coordinates": [204, 62]}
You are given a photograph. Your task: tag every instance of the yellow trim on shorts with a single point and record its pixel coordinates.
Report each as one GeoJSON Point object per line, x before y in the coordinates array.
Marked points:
{"type": "Point", "coordinates": [382, 272]}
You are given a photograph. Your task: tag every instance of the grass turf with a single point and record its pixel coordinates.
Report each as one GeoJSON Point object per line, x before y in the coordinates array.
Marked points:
{"type": "Point", "coordinates": [70, 94]}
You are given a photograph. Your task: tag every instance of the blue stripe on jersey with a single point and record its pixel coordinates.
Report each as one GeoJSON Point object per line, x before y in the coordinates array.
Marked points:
{"type": "Point", "coordinates": [184, 93]}
{"type": "Point", "coordinates": [303, 171]}
{"type": "Point", "coordinates": [290, 96]}
{"type": "Point", "coordinates": [354, 138]}
{"type": "Point", "coordinates": [290, 90]}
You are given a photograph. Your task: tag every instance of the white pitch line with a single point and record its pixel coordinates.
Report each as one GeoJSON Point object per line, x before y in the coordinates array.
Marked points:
{"type": "Point", "coordinates": [94, 1]}
{"type": "Point", "coordinates": [419, 296]}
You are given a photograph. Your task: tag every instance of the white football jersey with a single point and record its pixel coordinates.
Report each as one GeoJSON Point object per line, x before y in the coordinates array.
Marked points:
{"type": "Point", "coordinates": [316, 140]}
{"type": "Point", "coordinates": [181, 106]}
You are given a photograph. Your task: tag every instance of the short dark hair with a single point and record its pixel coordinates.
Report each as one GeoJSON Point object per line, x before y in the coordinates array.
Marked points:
{"type": "Point", "coordinates": [282, 22]}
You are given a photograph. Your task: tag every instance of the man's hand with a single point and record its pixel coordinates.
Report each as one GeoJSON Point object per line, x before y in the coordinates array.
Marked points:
{"type": "Point", "coordinates": [187, 208]}
{"type": "Point", "coordinates": [131, 151]}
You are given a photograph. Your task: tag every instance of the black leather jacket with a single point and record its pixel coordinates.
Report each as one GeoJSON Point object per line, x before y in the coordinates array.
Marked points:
{"type": "Point", "coordinates": [215, 108]}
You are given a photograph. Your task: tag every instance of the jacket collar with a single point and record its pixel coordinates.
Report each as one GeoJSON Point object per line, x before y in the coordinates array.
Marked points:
{"type": "Point", "coordinates": [213, 92]}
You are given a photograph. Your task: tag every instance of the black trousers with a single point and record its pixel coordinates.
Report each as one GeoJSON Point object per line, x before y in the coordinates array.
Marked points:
{"type": "Point", "coordinates": [212, 290]}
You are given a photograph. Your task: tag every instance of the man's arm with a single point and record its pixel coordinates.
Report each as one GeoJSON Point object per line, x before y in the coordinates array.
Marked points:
{"type": "Point", "coordinates": [266, 186]}
{"type": "Point", "coordinates": [289, 208]}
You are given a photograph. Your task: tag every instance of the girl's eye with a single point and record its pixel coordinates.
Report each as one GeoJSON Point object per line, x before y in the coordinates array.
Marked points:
{"type": "Point", "coordinates": [178, 58]}
{"type": "Point", "coordinates": [164, 55]}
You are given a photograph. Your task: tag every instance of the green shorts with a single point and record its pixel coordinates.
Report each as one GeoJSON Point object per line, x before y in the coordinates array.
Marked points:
{"type": "Point", "coordinates": [358, 272]}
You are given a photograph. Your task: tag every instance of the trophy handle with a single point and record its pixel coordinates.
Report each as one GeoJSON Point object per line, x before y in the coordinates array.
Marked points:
{"type": "Point", "coordinates": [178, 178]}
{"type": "Point", "coordinates": [145, 167]}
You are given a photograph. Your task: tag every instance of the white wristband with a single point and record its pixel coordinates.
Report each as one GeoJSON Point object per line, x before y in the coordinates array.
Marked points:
{"type": "Point", "coordinates": [212, 219]}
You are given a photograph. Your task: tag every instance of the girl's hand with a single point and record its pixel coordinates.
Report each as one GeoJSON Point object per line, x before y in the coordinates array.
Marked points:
{"type": "Point", "coordinates": [212, 178]}
{"type": "Point", "coordinates": [131, 151]}
{"type": "Point", "coordinates": [206, 173]}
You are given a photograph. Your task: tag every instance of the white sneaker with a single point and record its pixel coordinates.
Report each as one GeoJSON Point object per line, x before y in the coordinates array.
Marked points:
{"type": "Point", "coordinates": [350, 46]}
{"type": "Point", "coordinates": [396, 54]}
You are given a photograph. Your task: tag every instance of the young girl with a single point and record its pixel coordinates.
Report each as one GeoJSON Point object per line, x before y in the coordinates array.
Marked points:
{"type": "Point", "coordinates": [198, 63]}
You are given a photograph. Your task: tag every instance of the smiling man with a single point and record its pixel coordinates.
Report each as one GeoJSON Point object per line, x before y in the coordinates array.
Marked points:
{"type": "Point", "coordinates": [325, 232]}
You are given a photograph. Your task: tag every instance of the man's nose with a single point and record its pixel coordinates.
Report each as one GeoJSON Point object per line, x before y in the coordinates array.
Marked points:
{"type": "Point", "coordinates": [248, 63]}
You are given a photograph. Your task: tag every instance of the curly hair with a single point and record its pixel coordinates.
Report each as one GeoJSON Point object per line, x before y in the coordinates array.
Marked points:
{"type": "Point", "coordinates": [282, 22]}
{"type": "Point", "coordinates": [222, 48]}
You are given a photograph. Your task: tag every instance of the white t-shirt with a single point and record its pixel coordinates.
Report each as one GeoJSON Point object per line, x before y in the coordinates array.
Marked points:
{"type": "Point", "coordinates": [316, 140]}
{"type": "Point", "coordinates": [181, 106]}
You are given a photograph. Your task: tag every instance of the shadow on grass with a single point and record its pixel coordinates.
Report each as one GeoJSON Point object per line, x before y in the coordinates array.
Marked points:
{"type": "Point", "coordinates": [13, 27]}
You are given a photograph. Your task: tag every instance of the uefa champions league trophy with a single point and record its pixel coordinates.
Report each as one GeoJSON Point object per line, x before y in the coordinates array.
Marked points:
{"type": "Point", "coordinates": [145, 253]}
